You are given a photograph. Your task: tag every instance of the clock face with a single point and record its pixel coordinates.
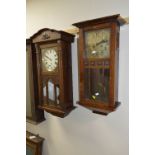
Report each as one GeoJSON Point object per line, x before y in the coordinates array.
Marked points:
{"type": "Point", "coordinates": [97, 43]}
{"type": "Point", "coordinates": [49, 59]}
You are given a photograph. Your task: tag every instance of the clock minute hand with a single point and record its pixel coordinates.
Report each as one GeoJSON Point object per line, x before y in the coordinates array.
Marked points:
{"type": "Point", "coordinates": [48, 58]}
{"type": "Point", "coordinates": [102, 41]}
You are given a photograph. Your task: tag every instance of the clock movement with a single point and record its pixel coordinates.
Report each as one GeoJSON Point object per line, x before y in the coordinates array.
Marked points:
{"type": "Point", "coordinates": [98, 48]}
{"type": "Point", "coordinates": [54, 71]}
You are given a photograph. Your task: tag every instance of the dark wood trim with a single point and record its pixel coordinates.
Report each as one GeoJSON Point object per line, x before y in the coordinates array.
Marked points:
{"type": "Point", "coordinates": [60, 112]}
{"type": "Point", "coordinates": [49, 33]}
{"type": "Point", "coordinates": [37, 114]}
{"type": "Point", "coordinates": [103, 110]}
{"type": "Point", "coordinates": [108, 19]}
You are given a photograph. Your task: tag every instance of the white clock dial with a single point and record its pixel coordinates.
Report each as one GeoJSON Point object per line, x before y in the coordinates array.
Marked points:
{"type": "Point", "coordinates": [50, 59]}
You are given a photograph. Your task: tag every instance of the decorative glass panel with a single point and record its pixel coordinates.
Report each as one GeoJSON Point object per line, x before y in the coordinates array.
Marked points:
{"type": "Point", "coordinates": [96, 84]}
{"type": "Point", "coordinates": [97, 43]}
{"type": "Point", "coordinates": [57, 94]}
{"type": "Point", "coordinates": [51, 91]}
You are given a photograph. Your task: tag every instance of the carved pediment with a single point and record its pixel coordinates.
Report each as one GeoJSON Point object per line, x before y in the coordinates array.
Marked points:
{"type": "Point", "coordinates": [46, 35]}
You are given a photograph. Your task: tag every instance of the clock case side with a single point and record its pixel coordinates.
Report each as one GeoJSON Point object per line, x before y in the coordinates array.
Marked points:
{"type": "Point", "coordinates": [63, 41]}
{"type": "Point", "coordinates": [115, 22]}
{"type": "Point", "coordinates": [37, 114]}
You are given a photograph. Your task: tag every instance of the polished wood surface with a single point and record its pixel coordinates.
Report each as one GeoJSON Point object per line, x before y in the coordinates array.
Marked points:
{"type": "Point", "coordinates": [37, 114]}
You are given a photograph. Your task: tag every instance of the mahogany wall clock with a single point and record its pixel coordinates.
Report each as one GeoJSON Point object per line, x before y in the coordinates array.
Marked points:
{"type": "Point", "coordinates": [54, 70]}
{"type": "Point", "coordinates": [98, 47]}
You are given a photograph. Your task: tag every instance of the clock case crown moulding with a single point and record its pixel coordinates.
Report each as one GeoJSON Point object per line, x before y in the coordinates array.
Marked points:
{"type": "Point", "coordinates": [113, 22]}
{"type": "Point", "coordinates": [75, 30]}
{"type": "Point", "coordinates": [64, 76]}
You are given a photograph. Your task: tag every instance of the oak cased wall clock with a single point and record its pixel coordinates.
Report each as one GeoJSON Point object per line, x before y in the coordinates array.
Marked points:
{"type": "Point", "coordinates": [34, 145]}
{"type": "Point", "coordinates": [54, 70]}
{"type": "Point", "coordinates": [98, 48]}
{"type": "Point", "coordinates": [33, 113]}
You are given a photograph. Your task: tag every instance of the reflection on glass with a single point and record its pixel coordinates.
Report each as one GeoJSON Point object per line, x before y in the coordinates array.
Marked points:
{"type": "Point", "coordinates": [29, 150]}
{"type": "Point", "coordinates": [96, 84]}
{"type": "Point", "coordinates": [44, 92]}
{"type": "Point", "coordinates": [28, 94]}
{"type": "Point", "coordinates": [97, 43]}
{"type": "Point", "coordinates": [57, 94]}
{"type": "Point", "coordinates": [51, 92]}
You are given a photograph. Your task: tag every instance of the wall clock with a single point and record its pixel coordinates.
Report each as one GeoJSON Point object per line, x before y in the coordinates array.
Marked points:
{"type": "Point", "coordinates": [34, 144]}
{"type": "Point", "coordinates": [98, 46]}
{"type": "Point", "coordinates": [33, 113]}
{"type": "Point", "coordinates": [54, 71]}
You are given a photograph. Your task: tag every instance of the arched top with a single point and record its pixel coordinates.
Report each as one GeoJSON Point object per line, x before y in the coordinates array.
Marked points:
{"type": "Point", "coordinates": [47, 34]}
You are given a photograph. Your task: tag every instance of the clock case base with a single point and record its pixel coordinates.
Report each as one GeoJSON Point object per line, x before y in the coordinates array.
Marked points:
{"type": "Point", "coordinates": [57, 111]}
{"type": "Point", "coordinates": [101, 111]}
{"type": "Point", "coordinates": [35, 121]}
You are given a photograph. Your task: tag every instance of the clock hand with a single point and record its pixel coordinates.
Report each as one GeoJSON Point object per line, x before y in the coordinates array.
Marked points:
{"type": "Point", "coordinates": [48, 58]}
{"type": "Point", "coordinates": [102, 41]}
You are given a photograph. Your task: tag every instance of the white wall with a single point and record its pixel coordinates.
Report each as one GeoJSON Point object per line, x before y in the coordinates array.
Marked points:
{"type": "Point", "coordinates": [82, 132]}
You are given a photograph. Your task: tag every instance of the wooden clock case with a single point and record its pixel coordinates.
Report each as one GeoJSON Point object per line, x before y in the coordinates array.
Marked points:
{"type": "Point", "coordinates": [61, 78]}
{"type": "Point", "coordinates": [113, 23]}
